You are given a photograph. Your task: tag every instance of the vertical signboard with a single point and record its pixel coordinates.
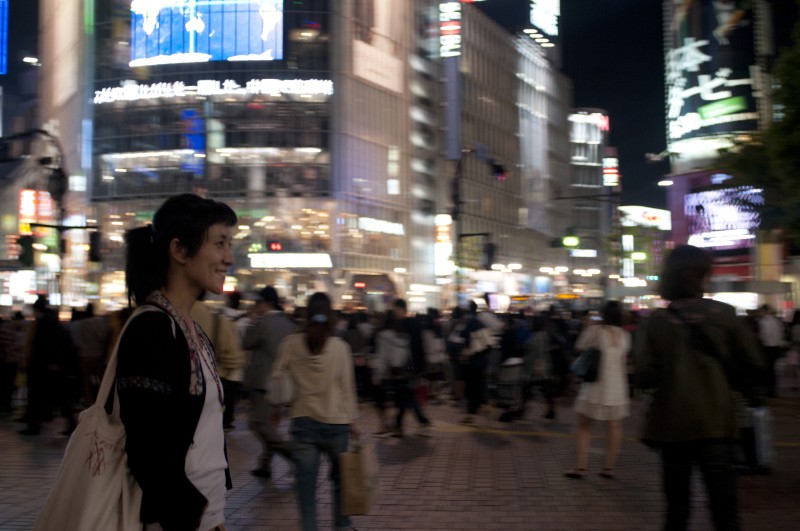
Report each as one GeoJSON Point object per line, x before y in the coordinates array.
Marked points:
{"type": "Point", "coordinates": [711, 69]}
{"type": "Point", "coordinates": [450, 52]}
{"type": "Point", "coordinates": [3, 36]}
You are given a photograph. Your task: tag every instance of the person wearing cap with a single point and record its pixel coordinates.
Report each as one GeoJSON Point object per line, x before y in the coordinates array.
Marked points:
{"type": "Point", "coordinates": [269, 326]}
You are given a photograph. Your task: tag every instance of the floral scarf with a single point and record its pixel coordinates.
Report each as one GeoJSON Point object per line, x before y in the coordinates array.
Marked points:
{"type": "Point", "coordinates": [197, 383]}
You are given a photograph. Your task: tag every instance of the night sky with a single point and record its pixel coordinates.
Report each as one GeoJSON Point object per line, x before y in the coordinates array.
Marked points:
{"type": "Point", "coordinates": [612, 50]}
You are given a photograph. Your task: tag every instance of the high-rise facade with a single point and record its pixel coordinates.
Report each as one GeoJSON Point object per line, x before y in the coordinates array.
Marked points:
{"type": "Point", "coordinates": [333, 128]}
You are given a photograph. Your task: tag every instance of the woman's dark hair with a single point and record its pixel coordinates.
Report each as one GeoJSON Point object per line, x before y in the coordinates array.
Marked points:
{"type": "Point", "coordinates": [685, 272]}
{"type": "Point", "coordinates": [186, 217]}
{"type": "Point", "coordinates": [319, 322]}
{"type": "Point", "coordinates": [612, 313]}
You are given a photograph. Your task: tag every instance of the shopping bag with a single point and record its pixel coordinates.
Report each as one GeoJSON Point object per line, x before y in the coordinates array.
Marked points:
{"type": "Point", "coordinates": [281, 389]}
{"type": "Point", "coordinates": [359, 479]}
{"type": "Point", "coordinates": [94, 488]}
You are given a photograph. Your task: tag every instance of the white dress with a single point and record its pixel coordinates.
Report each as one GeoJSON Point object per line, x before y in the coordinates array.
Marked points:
{"type": "Point", "coordinates": [606, 398]}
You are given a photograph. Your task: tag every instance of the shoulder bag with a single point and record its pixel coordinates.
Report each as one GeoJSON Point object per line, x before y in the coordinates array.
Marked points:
{"type": "Point", "coordinates": [94, 488]}
{"type": "Point", "coordinates": [587, 365]}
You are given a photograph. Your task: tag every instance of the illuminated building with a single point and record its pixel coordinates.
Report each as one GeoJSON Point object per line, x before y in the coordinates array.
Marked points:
{"type": "Point", "coordinates": [321, 123]}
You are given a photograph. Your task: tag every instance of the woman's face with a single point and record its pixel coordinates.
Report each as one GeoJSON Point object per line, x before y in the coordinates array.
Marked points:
{"type": "Point", "coordinates": [208, 267]}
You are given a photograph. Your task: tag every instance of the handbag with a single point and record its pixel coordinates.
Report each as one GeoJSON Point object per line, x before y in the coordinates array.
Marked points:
{"type": "Point", "coordinates": [281, 389]}
{"type": "Point", "coordinates": [587, 365]}
{"type": "Point", "coordinates": [94, 488]}
{"type": "Point", "coordinates": [359, 479]}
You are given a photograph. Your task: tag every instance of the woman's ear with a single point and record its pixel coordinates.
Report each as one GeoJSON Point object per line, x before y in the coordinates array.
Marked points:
{"type": "Point", "coordinates": [177, 251]}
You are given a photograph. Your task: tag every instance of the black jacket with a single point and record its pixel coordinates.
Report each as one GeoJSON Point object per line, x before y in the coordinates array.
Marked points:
{"type": "Point", "coordinates": [160, 418]}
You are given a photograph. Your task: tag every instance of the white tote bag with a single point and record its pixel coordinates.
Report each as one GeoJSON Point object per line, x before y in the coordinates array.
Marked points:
{"type": "Point", "coordinates": [281, 389]}
{"type": "Point", "coordinates": [94, 489]}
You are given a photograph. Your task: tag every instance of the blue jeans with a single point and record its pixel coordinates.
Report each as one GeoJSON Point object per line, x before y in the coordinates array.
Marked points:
{"type": "Point", "coordinates": [312, 438]}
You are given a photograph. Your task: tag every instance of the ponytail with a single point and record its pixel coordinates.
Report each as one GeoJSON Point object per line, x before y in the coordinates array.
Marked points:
{"type": "Point", "coordinates": [145, 269]}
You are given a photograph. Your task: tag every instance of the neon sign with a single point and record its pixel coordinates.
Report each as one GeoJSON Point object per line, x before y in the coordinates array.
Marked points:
{"type": "Point", "coordinates": [210, 87]}
{"type": "Point", "coordinates": [449, 29]}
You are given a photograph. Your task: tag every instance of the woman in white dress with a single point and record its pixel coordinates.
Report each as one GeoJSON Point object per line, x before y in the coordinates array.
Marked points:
{"type": "Point", "coordinates": [606, 398]}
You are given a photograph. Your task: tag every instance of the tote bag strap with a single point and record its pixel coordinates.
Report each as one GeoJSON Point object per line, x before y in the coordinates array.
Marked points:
{"type": "Point", "coordinates": [110, 374]}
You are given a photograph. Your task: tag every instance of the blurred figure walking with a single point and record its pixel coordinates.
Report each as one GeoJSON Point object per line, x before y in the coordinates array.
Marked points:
{"type": "Point", "coordinates": [325, 411]}
{"type": "Point", "coordinates": [269, 327]}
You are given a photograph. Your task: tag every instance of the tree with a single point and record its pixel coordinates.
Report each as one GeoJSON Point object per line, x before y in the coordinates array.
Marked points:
{"type": "Point", "coordinates": [770, 159]}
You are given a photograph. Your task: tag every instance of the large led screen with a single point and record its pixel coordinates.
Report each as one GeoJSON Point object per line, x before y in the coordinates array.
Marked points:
{"type": "Point", "coordinates": [723, 219]}
{"type": "Point", "coordinates": [711, 68]}
{"type": "Point", "coordinates": [193, 31]}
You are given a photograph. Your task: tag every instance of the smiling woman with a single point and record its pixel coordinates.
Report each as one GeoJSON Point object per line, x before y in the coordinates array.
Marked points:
{"type": "Point", "coordinates": [170, 395]}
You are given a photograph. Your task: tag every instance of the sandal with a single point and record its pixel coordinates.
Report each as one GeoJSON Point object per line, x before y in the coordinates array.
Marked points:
{"type": "Point", "coordinates": [607, 473]}
{"type": "Point", "coordinates": [576, 473]}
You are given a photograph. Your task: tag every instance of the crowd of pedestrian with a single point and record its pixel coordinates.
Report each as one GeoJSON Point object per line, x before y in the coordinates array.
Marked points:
{"type": "Point", "coordinates": [394, 362]}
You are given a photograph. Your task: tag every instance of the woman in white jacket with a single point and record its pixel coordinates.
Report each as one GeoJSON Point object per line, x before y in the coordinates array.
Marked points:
{"type": "Point", "coordinates": [606, 398]}
{"type": "Point", "coordinates": [325, 409]}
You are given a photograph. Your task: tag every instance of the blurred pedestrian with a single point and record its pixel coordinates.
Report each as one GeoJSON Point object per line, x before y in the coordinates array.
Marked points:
{"type": "Point", "coordinates": [771, 334]}
{"type": "Point", "coordinates": [171, 398]}
{"type": "Point", "coordinates": [692, 355]}
{"type": "Point", "coordinates": [52, 370]}
{"type": "Point", "coordinates": [93, 337]}
{"type": "Point", "coordinates": [262, 338]}
{"type": "Point", "coordinates": [325, 410]}
{"type": "Point", "coordinates": [12, 342]}
{"type": "Point", "coordinates": [228, 354]}
{"type": "Point", "coordinates": [477, 341]}
{"type": "Point", "coordinates": [539, 364]}
{"type": "Point", "coordinates": [395, 370]}
{"type": "Point", "coordinates": [607, 398]}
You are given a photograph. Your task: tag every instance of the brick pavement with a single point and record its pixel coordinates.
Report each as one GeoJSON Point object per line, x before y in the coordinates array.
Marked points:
{"type": "Point", "coordinates": [492, 476]}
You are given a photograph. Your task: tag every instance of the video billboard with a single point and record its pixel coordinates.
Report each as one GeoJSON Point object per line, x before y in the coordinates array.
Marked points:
{"type": "Point", "coordinates": [192, 31]}
{"type": "Point", "coordinates": [723, 219]}
{"type": "Point", "coordinates": [711, 68]}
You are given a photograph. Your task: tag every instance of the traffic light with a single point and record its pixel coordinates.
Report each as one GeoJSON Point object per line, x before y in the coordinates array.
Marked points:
{"type": "Point", "coordinates": [275, 246]}
{"type": "Point", "coordinates": [95, 247]}
{"type": "Point", "coordinates": [498, 170]}
{"type": "Point", "coordinates": [489, 250]}
{"type": "Point", "coordinates": [25, 250]}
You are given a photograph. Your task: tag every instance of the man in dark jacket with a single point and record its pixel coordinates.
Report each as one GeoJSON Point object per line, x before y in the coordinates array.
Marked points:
{"type": "Point", "coordinates": [694, 355]}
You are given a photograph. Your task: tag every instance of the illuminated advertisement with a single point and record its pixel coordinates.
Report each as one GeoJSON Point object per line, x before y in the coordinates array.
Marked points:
{"type": "Point", "coordinates": [449, 29]}
{"type": "Point", "coordinates": [711, 69]}
{"type": "Point", "coordinates": [377, 42]}
{"type": "Point", "coordinates": [641, 216]}
{"type": "Point", "coordinates": [723, 219]}
{"type": "Point", "coordinates": [3, 36]}
{"type": "Point", "coordinates": [194, 31]}
{"type": "Point", "coordinates": [545, 15]}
